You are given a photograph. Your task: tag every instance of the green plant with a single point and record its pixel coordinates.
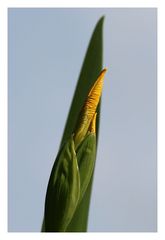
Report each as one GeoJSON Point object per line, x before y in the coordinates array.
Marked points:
{"type": "Point", "coordinates": [68, 193]}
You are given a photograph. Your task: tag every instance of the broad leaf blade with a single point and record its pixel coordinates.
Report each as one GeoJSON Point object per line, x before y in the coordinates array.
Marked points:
{"type": "Point", "coordinates": [90, 70]}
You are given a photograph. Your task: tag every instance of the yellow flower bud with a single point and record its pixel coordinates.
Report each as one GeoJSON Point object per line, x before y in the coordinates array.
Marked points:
{"type": "Point", "coordinates": [89, 109]}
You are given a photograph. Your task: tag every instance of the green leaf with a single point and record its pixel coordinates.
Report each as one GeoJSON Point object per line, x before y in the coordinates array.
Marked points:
{"type": "Point", "coordinates": [91, 68]}
{"type": "Point", "coordinates": [86, 155]}
{"type": "Point", "coordinates": [63, 190]}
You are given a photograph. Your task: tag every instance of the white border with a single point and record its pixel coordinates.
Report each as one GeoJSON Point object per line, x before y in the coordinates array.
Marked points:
{"type": "Point", "coordinates": [80, 3]}
{"type": "Point", "coordinates": [4, 4]}
{"type": "Point", "coordinates": [161, 120]}
{"type": "Point", "coordinates": [3, 118]}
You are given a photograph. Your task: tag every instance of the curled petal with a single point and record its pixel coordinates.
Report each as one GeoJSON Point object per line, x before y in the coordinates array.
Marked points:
{"type": "Point", "coordinates": [89, 109]}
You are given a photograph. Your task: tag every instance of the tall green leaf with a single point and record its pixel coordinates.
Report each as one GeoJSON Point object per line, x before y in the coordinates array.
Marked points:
{"type": "Point", "coordinates": [90, 70]}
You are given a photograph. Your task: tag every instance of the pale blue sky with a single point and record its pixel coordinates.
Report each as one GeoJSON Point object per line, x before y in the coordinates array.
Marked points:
{"type": "Point", "coordinates": [46, 51]}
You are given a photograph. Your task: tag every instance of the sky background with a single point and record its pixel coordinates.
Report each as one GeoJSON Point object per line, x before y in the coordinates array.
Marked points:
{"type": "Point", "coordinates": [46, 51]}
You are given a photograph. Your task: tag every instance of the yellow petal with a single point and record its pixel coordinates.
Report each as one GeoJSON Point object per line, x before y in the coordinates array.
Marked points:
{"type": "Point", "coordinates": [89, 109]}
{"type": "Point", "coordinates": [92, 127]}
